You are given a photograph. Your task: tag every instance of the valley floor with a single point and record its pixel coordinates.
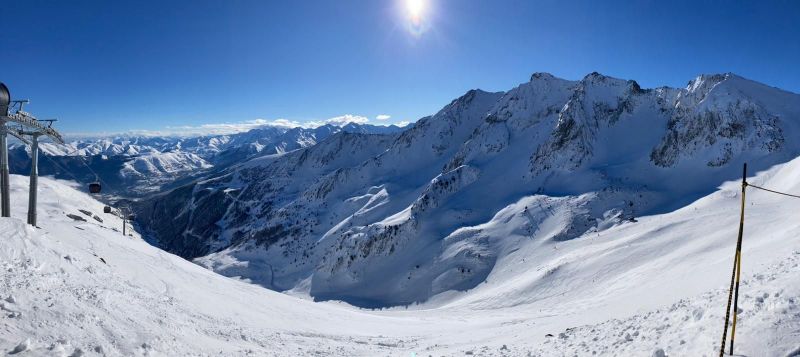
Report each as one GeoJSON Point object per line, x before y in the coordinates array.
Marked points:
{"type": "Point", "coordinates": [652, 288]}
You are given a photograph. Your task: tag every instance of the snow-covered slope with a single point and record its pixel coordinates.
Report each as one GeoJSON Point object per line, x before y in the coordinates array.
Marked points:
{"type": "Point", "coordinates": [656, 285]}
{"type": "Point", "coordinates": [73, 288]}
{"type": "Point", "coordinates": [392, 221]}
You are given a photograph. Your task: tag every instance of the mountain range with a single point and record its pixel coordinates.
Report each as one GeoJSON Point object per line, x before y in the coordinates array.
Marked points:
{"type": "Point", "coordinates": [385, 219]}
{"type": "Point", "coordinates": [134, 166]}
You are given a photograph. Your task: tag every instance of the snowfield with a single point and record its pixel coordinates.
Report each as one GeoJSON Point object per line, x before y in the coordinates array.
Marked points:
{"type": "Point", "coordinates": [653, 287]}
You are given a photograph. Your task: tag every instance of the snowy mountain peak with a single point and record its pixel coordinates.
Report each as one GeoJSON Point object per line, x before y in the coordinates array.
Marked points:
{"type": "Point", "coordinates": [542, 76]}
{"type": "Point", "coordinates": [699, 87]}
{"type": "Point", "coordinates": [474, 104]}
{"type": "Point", "coordinates": [470, 96]}
{"type": "Point", "coordinates": [597, 79]}
{"type": "Point", "coordinates": [727, 84]}
{"type": "Point", "coordinates": [704, 82]}
{"type": "Point", "coordinates": [721, 116]}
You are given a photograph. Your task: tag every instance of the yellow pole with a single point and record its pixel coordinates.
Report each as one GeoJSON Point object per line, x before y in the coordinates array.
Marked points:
{"type": "Point", "coordinates": [737, 265]}
{"type": "Point", "coordinates": [736, 298]}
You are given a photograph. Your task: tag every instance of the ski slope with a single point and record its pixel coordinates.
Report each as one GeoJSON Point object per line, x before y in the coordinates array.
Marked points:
{"type": "Point", "coordinates": [645, 288]}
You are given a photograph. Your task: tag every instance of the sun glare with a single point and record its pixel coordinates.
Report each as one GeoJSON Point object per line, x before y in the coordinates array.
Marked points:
{"type": "Point", "coordinates": [415, 9]}
{"type": "Point", "coordinates": [417, 13]}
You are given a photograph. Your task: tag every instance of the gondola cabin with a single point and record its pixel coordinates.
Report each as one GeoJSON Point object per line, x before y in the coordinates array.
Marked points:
{"type": "Point", "coordinates": [106, 209]}
{"type": "Point", "coordinates": [94, 187]}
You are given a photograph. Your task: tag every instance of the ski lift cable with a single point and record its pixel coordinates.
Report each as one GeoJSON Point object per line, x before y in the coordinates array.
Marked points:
{"type": "Point", "coordinates": [773, 191]}
{"type": "Point", "coordinates": [67, 171]}
{"type": "Point", "coordinates": [63, 169]}
{"type": "Point", "coordinates": [82, 160]}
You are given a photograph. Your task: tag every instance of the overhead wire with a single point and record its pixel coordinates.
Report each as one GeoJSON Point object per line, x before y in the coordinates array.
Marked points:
{"type": "Point", "coordinates": [62, 168]}
{"type": "Point", "coordinates": [82, 160]}
{"type": "Point", "coordinates": [773, 191]}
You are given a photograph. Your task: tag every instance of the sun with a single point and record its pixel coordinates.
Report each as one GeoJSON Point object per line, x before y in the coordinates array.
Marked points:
{"type": "Point", "coordinates": [416, 9]}
{"type": "Point", "coordinates": [416, 14]}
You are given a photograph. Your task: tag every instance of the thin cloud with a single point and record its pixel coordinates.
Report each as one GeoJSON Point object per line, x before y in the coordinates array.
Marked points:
{"type": "Point", "coordinates": [383, 117]}
{"type": "Point", "coordinates": [229, 128]}
{"type": "Point", "coordinates": [347, 119]}
{"type": "Point", "coordinates": [197, 130]}
{"type": "Point", "coordinates": [226, 128]}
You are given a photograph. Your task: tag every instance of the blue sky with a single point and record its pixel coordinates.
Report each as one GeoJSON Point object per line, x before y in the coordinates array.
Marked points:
{"type": "Point", "coordinates": [110, 66]}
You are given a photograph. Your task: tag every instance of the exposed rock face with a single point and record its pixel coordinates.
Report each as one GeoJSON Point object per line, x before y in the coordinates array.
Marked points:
{"type": "Point", "coordinates": [709, 118]}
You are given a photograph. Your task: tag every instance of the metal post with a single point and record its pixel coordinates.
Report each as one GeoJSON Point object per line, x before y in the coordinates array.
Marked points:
{"type": "Point", "coordinates": [5, 201]}
{"type": "Point", "coordinates": [124, 220]}
{"type": "Point", "coordinates": [34, 179]}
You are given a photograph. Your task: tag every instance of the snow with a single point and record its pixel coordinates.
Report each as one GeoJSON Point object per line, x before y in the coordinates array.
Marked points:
{"type": "Point", "coordinates": [559, 218]}
{"type": "Point", "coordinates": [61, 297]}
{"type": "Point", "coordinates": [393, 220]}
{"type": "Point", "coordinates": [654, 286]}
{"type": "Point", "coordinates": [136, 166]}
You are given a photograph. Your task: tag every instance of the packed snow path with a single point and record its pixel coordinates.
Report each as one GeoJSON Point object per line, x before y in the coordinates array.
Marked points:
{"type": "Point", "coordinates": [646, 288]}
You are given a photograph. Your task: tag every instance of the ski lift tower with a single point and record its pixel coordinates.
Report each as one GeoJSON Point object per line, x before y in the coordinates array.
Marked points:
{"type": "Point", "coordinates": [26, 126]}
